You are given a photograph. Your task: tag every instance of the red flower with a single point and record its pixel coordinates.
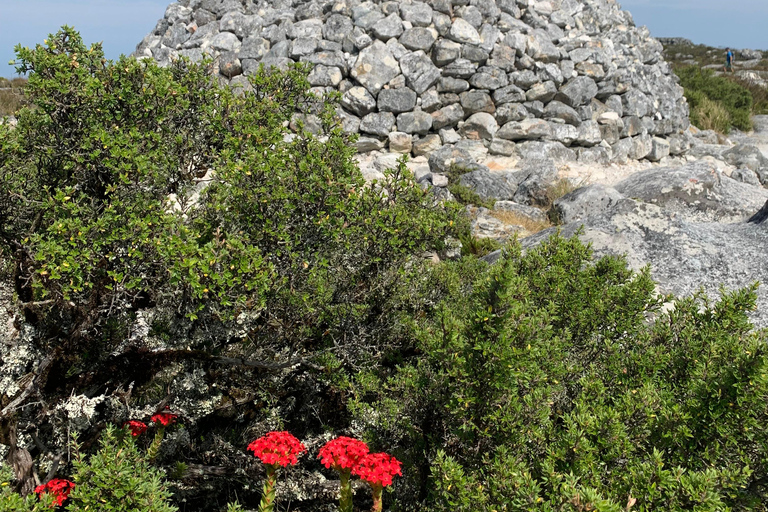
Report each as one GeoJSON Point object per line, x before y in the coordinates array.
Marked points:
{"type": "Point", "coordinates": [59, 487]}
{"type": "Point", "coordinates": [277, 448]}
{"type": "Point", "coordinates": [165, 418]}
{"type": "Point", "coordinates": [378, 469]}
{"type": "Point", "coordinates": [343, 453]}
{"type": "Point", "coordinates": [136, 427]}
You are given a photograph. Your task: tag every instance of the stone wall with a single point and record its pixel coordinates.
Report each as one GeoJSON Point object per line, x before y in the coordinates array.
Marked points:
{"type": "Point", "coordinates": [416, 76]}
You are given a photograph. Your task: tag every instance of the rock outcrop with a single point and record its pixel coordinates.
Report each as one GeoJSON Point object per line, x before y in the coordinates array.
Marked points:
{"type": "Point", "coordinates": [577, 73]}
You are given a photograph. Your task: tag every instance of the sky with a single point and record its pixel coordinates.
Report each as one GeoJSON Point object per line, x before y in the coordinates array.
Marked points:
{"type": "Point", "coordinates": [121, 24]}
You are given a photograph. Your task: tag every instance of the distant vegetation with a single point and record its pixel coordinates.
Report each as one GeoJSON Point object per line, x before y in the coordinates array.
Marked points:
{"type": "Point", "coordinates": [719, 101]}
{"type": "Point", "coordinates": [11, 95]}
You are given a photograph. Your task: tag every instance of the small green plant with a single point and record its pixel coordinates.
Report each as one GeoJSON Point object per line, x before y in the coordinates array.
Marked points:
{"type": "Point", "coordinates": [117, 477]}
{"type": "Point", "coordinates": [465, 195]}
{"type": "Point", "coordinates": [11, 501]}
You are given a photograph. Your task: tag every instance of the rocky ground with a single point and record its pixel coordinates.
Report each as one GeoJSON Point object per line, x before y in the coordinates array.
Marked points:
{"type": "Point", "coordinates": [692, 219]}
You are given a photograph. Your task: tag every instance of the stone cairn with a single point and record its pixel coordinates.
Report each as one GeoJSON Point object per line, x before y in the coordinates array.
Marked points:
{"type": "Point", "coordinates": [543, 77]}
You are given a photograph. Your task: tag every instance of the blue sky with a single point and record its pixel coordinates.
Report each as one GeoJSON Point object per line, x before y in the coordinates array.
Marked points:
{"type": "Point", "coordinates": [121, 24]}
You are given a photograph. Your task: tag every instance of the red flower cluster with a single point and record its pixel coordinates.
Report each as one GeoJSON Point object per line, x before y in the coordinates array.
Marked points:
{"type": "Point", "coordinates": [277, 448]}
{"type": "Point", "coordinates": [136, 427]}
{"type": "Point", "coordinates": [59, 487]}
{"type": "Point", "coordinates": [343, 453]}
{"type": "Point", "coordinates": [164, 418]}
{"type": "Point", "coordinates": [378, 469]}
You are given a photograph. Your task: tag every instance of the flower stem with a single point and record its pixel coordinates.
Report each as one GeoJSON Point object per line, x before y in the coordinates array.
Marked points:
{"type": "Point", "coordinates": [268, 499]}
{"type": "Point", "coordinates": [154, 448]}
{"type": "Point", "coordinates": [376, 497]}
{"type": "Point", "coordinates": [345, 501]}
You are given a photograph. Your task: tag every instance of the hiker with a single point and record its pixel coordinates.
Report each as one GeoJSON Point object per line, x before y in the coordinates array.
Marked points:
{"type": "Point", "coordinates": [728, 60]}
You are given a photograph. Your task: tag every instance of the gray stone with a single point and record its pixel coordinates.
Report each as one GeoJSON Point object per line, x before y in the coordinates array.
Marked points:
{"type": "Point", "coordinates": [400, 142]}
{"type": "Point", "coordinates": [463, 32]}
{"type": "Point", "coordinates": [538, 175]}
{"type": "Point", "coordinates": [502, 147]}
{"type": "Point", "coordinates": [750, 157]}
{"type": "Point", "coordinates": [325, 76]}
{"type": "Point", "coordinates": [641, 147]}
{"type": "Point", "coordinates": [426, 145]}
{"type": "Point", "coordinates": [589, 134]}
{"type": "Point", "coordinates": [303, 46]}
{"type": "Point", "coordinates": [389, 27]}
{"type": "Point", "coordinates": [414, 122]}
{"type": "Point", "coordinates": [418, 38]}
{"type": "Point", "coordinates": [508, 94]}
{"type": "Point", "coordinates": [418, 14]}
{"type": "Point", "coordinates": [229, 65]}
{"type": "Point", "coordinates": [420, 73]}
{"type": "Point", "coordinates": [543, 92]}
{"type": "Point", "coordinates": [697, 191]}
{"type": "Point", "coordinates": [558, 110]}
{"type": "Point", "coordinates": [471, 14]}
{"type": "Point", "coordinates": [583, 202]}
{"type": "Point", "coordinates": [479, 126]}
{"type": "Point", "coordinates": [511, 112]}
{"type": "Point", "coordinates": [442, 23]}
{"type": "Point", "coordinates": [541, 48]}
{"type": "Point", "coordinates": [477, 101]}
{"type": "Point", "coordinates": [444, 52]}
{"type": "Point", "coordinates": [577, 91]}
{"type": "Point", "coordinates": [490, 185]}
{"type": "Point", "coordinates": [396, 100]}
{"type": "Point", "coordinates": [503, 57]}
{"type": "Point", "coordinates": [443, 159]}
{"type": "Point", "coordinates": [527, 129]}
{"type": "Point", "coordinates": [449, 136]}
{"type": "Point", "coordinates": [254, 47]}
{"type": "Point", "coordinates": [175, 36]}
{"type": "Point", "coordinates": [367, 144]}
{"type": "Point", "coordinates": [632, 126]}
{"type": "Point", "coordinates": [460, 68]}
{"type": "Point", "coordinates": [659, 149]}
{"type": "Point", "coordinates": [225, 42]}
{"type": "Point", "coordinates": [430, 101]}
{"type": "Point", "coordinates": [337, 27]}
{"type": "Point", "coordinates": [456, 85]}
{"type": "Point", "coordinates": [378, 123]}
{"type": "Point", "coordinates": [489, 78]}
{"type": "Point", "coordinates": [475, 54]}
{"type": "Point", "coordinates": [306, 28]}
{"type": "Point", "coordinates": [565, 134]}
{"type": "Point", "coordinates": [636, 103]}
{"type": "Point", "coordinates": [374, 67]}
{"type": "Point", "coordinates": [358, 100]}
{"type": "Point", "coordinates": [240, 24]}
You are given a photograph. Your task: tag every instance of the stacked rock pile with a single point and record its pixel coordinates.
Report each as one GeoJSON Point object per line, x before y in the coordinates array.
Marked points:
{"type": "Point", "coordinates": [416, 76]}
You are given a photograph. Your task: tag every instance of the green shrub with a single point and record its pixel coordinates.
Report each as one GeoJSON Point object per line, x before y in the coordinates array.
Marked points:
{"type": "Point", "coordinates": [117, 478]}
{"type": "Point", "coordinates": [557, 383]}
{"type": "Point", "coordinates": [734, 98]}
{"type": "Point", "coordinates": [281, 259]}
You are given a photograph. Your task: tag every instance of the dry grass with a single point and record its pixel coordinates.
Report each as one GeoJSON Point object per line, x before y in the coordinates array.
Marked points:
{"type": "Point", "coordinates": [559, 188]}
{"type": "Point", "coordinates": [711, 115]}
{"type": "Point", "coordinates": [515, 219]}
{"type": "Point", "coordinates": [11, 95]}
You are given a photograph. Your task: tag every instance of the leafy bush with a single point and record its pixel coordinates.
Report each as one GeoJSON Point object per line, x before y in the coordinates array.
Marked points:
{"type": "Point", "coordinates": [557, 383]}
{"type": "Point", "coordinates": [734, 98]}
{"type": "Point", "coordinates": [128, 189]}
